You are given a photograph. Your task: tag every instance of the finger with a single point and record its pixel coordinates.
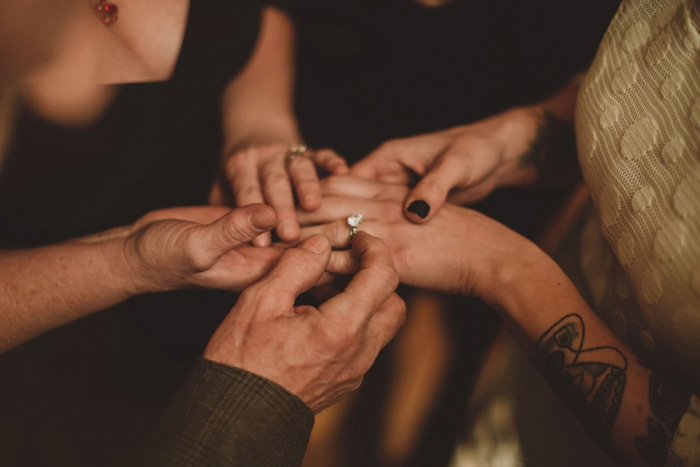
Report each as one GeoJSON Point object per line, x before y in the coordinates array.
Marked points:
{"type": "Point", "coordinates": [306, 184]}
{"type": "Point", "coordinates": [210, 242]}
{"type": "Point", "coordinates": [337, 233]}
{"type": "Point", "coordinates": [278, 192]}
{"type": "Point", "coordinates": [399, 161]}
{"type": "Point", "coordinates": [330, 161]}
{"type": "Point", "coordinates": [376, 280]}
{"type": "Point", "coordinates": [342, 262]}
{"type": "Point", "coordinates": [296, 272]}
{"type": "Point", "coordinates": [349, 185]}
{"type": "Point", "coordinates": [245, 185]}
{"type": "Point", "coordinates": [386, 322]}
{"type": "Point", "coordinates": [199, 214]}
{"type": "Point", "coordinates": [374, 168]}
{"type": "Point", "coordinates": [368, 167]}
{"type": "Point", "coordinates": [428, 196]}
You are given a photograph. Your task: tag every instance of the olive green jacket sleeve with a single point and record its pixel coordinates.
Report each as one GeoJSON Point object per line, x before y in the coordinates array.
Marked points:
{"type": "Point", "coordinates": [227, 416]}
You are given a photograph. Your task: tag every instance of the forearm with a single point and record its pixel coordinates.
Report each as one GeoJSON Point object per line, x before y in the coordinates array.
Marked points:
{"type": "Point", "coordinates": [258, 104]}
{"type": "Point", "coordinates": [615, 396]}
{"type": "Point", "coordinates": [42, 288]}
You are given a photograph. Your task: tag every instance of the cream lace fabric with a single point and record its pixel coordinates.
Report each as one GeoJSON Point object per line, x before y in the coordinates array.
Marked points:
{"type": "Point", "coordinates": [638, 132]}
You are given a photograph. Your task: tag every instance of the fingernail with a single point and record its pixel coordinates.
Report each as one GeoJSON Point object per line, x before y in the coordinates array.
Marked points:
{"type": "Point", "coordinates": [316, 244]}
{"type": "Point", "coordinates": [420, 208]}
{"type": "Point", "coordinates": [263, 220]}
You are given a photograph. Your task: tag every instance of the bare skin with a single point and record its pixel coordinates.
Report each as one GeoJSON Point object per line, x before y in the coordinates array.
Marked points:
{"type": "Point", "coordinates": [319, 354]}
{"type": "Point", "coordinates": [618, 398]}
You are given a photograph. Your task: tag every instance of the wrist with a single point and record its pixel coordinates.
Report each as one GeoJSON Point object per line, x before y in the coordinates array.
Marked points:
{"type": "Point", "coordinates": [267, 131]}
{"type": "Point", "coordinates": [510, 271]}
{"type": "Point", "coordinates": [125, 266]}
{"type": "Point", "coordinates": [520, 130]}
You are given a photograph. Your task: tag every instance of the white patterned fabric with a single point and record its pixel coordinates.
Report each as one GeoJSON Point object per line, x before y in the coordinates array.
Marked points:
{"type": "Point", "coordinates": [638, 136]}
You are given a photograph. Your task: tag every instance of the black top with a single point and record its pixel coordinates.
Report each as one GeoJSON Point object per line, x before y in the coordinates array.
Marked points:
{"type": "Point", "coordinates": [157, 145]}
{"type": "Point", "coordinates": [88, 392]}
{"type": "Point", "coordinates": [372, 70]}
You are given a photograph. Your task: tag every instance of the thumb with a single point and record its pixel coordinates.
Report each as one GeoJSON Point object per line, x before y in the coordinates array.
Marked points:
{"type": "Point", "coordinates": [431, 191]}
{"type": "Point", "coordinates": [426, 198]}
{"type": "Point", "coordinates": [238, 226]}
{"type": "Point", "coordinates": [296, 272]}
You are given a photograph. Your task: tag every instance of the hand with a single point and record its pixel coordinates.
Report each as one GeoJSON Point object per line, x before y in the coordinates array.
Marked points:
{"type": "Point", "coordinates": [318, 354]}
{"type": "Point", "coordinates": [459, 251]}
{"type": "Point", "coordinates": [205, 246]}
{"type": "Point", "coordinates": [462, 164]}
{"type": "Point", "coordinates": [263, 174]}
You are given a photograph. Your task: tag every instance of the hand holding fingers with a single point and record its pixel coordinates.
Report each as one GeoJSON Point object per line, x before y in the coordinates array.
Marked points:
{"type": "Point", "coordinates": [209, 242]}
{"type": "Point", "coordinates": [173, 253]}
{"type": "Point", "coordinates": [297, 271]}
{"type": "Point", "coordinates": [312, 353]}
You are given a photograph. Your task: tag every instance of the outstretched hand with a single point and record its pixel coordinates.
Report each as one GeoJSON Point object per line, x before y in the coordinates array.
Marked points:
{"type": "Point", "coordinates": [461, 164]}
{"type": "Point", "coordinates": [459, 251]}
{"type": "Point", "coordinates": [318, 354]}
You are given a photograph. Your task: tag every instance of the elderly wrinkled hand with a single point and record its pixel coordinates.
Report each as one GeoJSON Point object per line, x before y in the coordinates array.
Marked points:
{"type": "Point", "coordinates": [205, 246]}
{"type": "Point", "coordinates": [318, 354]}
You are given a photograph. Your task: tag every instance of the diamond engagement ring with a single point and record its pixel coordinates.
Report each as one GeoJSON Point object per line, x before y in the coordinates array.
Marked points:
{"type": "Point", "coordinates": [354, 222]}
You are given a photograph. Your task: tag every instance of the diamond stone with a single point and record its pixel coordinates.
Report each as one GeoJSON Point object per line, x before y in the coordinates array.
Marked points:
{"type": "Point", "coordinates": [355, 220]}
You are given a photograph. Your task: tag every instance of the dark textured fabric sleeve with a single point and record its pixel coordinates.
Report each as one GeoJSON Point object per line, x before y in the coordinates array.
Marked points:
{"type": "Point", "coordinates": [227, 416]}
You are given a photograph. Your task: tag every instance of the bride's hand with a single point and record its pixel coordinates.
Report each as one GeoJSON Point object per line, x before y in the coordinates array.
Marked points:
{"type": "Point", "coordinates": [459, 251]}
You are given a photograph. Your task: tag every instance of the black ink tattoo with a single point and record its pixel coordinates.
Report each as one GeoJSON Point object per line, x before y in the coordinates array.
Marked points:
{"type": "Point", "coordinates": [668, 405]}
{"type": "Point", "coordinates": [591, 381]}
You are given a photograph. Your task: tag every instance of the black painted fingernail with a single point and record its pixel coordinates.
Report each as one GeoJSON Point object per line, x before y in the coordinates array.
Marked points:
{"type": "Point", "coordinates": [420, 208]}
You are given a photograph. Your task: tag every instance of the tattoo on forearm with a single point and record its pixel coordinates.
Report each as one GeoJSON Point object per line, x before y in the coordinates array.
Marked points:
{"type": "Point", "coordinates": [668, 405]}
{"type": "Point", "coordinates": [590, 380]}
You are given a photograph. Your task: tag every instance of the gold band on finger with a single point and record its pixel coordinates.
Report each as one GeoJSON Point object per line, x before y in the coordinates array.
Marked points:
{"type": "Point", "coordinates": [294, 151]}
